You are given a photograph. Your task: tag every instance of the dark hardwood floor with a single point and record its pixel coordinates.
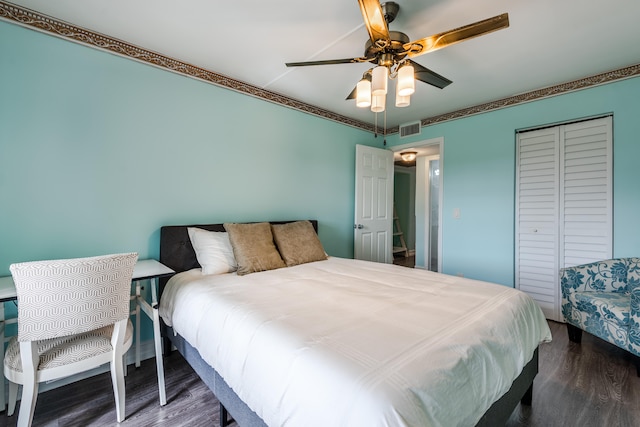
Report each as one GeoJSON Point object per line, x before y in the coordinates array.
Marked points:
{"type": "Point", "coordinates": [91, 403]}
{"type": "Point", "coordinates": [591, 384]}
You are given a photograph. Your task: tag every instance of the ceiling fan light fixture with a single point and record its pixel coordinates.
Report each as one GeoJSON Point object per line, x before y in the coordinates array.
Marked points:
{"type": "Point", "coordinates": [408, 156]}
{"type": "Point", "coordinates": [363, 93]}
{"type": "Point", "coordinates": [378, 102]}
{"type": "Point", "coordinates": [402, 101]}
{"type": "Point", "coordinates": [406, 81]}
{"type": "Point", "coordinates": [379, 77]}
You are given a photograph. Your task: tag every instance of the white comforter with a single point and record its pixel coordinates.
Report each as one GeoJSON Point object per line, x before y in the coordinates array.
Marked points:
{"type": "Point", "coordinates": [353, 343]}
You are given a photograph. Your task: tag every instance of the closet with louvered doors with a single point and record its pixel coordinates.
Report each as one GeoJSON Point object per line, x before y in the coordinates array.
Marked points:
{"type": "Point", "coordinates": [564, 199]}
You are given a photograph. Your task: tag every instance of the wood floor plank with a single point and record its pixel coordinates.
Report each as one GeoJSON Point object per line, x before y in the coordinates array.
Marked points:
{"type": "Point", "coordinates": [589, 384]}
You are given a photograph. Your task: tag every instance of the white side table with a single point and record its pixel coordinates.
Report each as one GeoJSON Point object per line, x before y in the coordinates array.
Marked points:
{"type": "Point", "coordinates": [150, 269]}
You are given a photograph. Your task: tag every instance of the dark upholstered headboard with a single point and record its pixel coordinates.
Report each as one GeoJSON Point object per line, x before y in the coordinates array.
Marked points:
{"type": "Point", "coordinates": [176, 251]}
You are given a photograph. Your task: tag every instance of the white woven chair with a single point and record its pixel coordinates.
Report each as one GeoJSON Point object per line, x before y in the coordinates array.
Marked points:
{"type": "Point", "coordinates": [73, 315]}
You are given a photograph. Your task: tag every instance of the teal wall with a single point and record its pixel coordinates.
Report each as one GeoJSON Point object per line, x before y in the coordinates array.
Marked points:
{"type": "Point", "coordinates": [97, 152]}
{"type": "Point", "coordinates": [479, 176]}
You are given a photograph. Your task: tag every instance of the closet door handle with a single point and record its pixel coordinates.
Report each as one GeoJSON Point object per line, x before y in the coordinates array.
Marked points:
{"type": "Point", "coordinates": [358, 226]}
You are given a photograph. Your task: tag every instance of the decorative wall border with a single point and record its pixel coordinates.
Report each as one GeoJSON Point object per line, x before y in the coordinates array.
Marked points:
{"type": "Point", "coordinates": [34, 20]}
{"type": "Point", "coordinates": [596, 80]}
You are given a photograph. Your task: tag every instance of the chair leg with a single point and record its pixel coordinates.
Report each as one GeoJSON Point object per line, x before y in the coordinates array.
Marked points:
{"type": "Point", "coordinates": [28, 403]}
{"type": "Point", "coordinates": [13, 398]}
{"type": "Point", "coordinates": [117, 378]}
{"type": "Point", "coordinates": [575, 333]}
{"type": "Point", "coordinates": [30, 359]}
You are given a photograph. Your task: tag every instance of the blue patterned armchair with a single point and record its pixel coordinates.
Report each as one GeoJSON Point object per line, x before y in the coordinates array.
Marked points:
{"type": "Point", "coordinates": [603, 298]}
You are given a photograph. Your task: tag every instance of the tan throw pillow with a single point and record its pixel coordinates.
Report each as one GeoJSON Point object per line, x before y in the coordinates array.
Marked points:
{"type": "Point", "coordinates": [253, 247]}
{"type": "Point", "coordinates": [298, 243]}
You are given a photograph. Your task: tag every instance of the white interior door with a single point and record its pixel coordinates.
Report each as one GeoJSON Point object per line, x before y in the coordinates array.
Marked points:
{"type": "Point", "coordinates": [373, 236]}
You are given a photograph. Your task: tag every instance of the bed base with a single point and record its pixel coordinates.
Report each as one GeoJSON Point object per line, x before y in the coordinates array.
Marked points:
{"type": "Point", "coordinates": [229, 400]}
{"type": "Point", "coordinates": [521, 391]}
{"type": "Point", "coordinates": [497, 415]}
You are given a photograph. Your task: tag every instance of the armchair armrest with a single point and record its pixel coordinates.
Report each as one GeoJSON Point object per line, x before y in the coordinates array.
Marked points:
{"type": "Point", "coordinates": [600, 276]}
{"type": "Point", "coordinates": [634, 324]}
{"type": "Point", "coordinates": [572, 279]}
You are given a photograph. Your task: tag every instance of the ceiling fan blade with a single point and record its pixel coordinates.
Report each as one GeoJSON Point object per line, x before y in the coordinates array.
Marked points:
{"type": "Point", "coordinates": [353, 93]}
{"type": "Point", "coordinates": [327, 62]}
{"type": "Point", "coordinates": [438, 41]}
{"type": "Point", "coordinates": [375, 22]}
{"type": "Point", "coordinates": [430, 77]}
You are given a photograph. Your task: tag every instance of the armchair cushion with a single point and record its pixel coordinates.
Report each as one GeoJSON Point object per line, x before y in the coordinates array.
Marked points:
{"type": "Point", "coordinates": [612, 307]}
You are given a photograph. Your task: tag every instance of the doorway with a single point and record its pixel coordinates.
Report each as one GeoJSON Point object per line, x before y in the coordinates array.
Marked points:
{"type": "Point", "coordinates": [423, 221]}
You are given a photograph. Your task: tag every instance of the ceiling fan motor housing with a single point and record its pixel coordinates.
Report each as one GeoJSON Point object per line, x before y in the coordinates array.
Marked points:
{"type": "Point", "coordinates": [390, 11]}
{"type": "Point", "coordinates": [395, 47]}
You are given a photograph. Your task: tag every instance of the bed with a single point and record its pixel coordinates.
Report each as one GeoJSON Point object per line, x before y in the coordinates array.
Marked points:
{"type": "Point", "coordinates": [348, 342]}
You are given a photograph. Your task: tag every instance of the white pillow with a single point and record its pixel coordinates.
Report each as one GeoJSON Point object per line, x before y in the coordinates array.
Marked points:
{"type": "Point", "coordinates": [213, 250]}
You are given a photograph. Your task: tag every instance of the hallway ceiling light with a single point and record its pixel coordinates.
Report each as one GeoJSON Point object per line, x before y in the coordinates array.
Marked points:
{"type": "Point", "coordinates": [408, 156]}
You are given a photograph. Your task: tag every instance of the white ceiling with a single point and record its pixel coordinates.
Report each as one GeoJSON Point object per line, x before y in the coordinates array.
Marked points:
{"type": "Point", "coordinates": [548, 42]}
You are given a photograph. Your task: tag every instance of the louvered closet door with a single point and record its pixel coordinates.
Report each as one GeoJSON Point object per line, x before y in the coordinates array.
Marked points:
{"type": "Point", "coordinates": [537, 217]}
{"type": "Point", "coordinates": [586, 192]}
{"type": "Point", "coordinates": [563, 205]}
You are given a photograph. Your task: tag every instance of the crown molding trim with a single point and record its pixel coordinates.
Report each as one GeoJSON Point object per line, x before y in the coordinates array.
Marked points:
{"type": "Point", "coordinates": [46, 24]}
{"type": "Point", "coordinates": [584, 83]}
{"type": "Point", "coordinates": [39, 22]}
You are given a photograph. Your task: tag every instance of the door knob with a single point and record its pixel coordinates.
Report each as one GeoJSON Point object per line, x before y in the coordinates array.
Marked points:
{"type": "Point", "coordinates": [358, 226]}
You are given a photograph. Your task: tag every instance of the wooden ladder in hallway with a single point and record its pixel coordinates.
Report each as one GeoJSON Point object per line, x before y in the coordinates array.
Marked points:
{"type": "Point", "coordinates": [397, 232]}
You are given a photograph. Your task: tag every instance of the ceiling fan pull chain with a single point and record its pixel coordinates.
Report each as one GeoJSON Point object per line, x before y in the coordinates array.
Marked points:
{"type": "Point", "coordinates": [375, 126]}
{"type": "Point", "coordinates": [384, 131]}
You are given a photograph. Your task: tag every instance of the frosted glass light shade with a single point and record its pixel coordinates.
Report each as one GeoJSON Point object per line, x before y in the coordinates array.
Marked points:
{"type": "Point", "coordinates": [408, 156]}
{"type": "Point", "coordinates": [363, 93]}
{"type": "Point", "coordinates": [402, 101]}
{"type": "Point", "coordinates": [406, 82]}
{"type": "Point", "coordinates": [377, 103]}
{"type": "Point", "coordinates": [379, 78]}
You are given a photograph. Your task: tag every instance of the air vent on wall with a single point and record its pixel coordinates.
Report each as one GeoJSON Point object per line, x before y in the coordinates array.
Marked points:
{"type": "Point", "coordinates": [409, 129]}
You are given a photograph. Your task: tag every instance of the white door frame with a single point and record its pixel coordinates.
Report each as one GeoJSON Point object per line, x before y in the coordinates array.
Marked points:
{"type": "Point", "coordinates": [420, 187]}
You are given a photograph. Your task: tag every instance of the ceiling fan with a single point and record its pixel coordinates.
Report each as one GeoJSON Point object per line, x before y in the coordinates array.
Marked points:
{"type": "Point", "coordinates": [392, 50]}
